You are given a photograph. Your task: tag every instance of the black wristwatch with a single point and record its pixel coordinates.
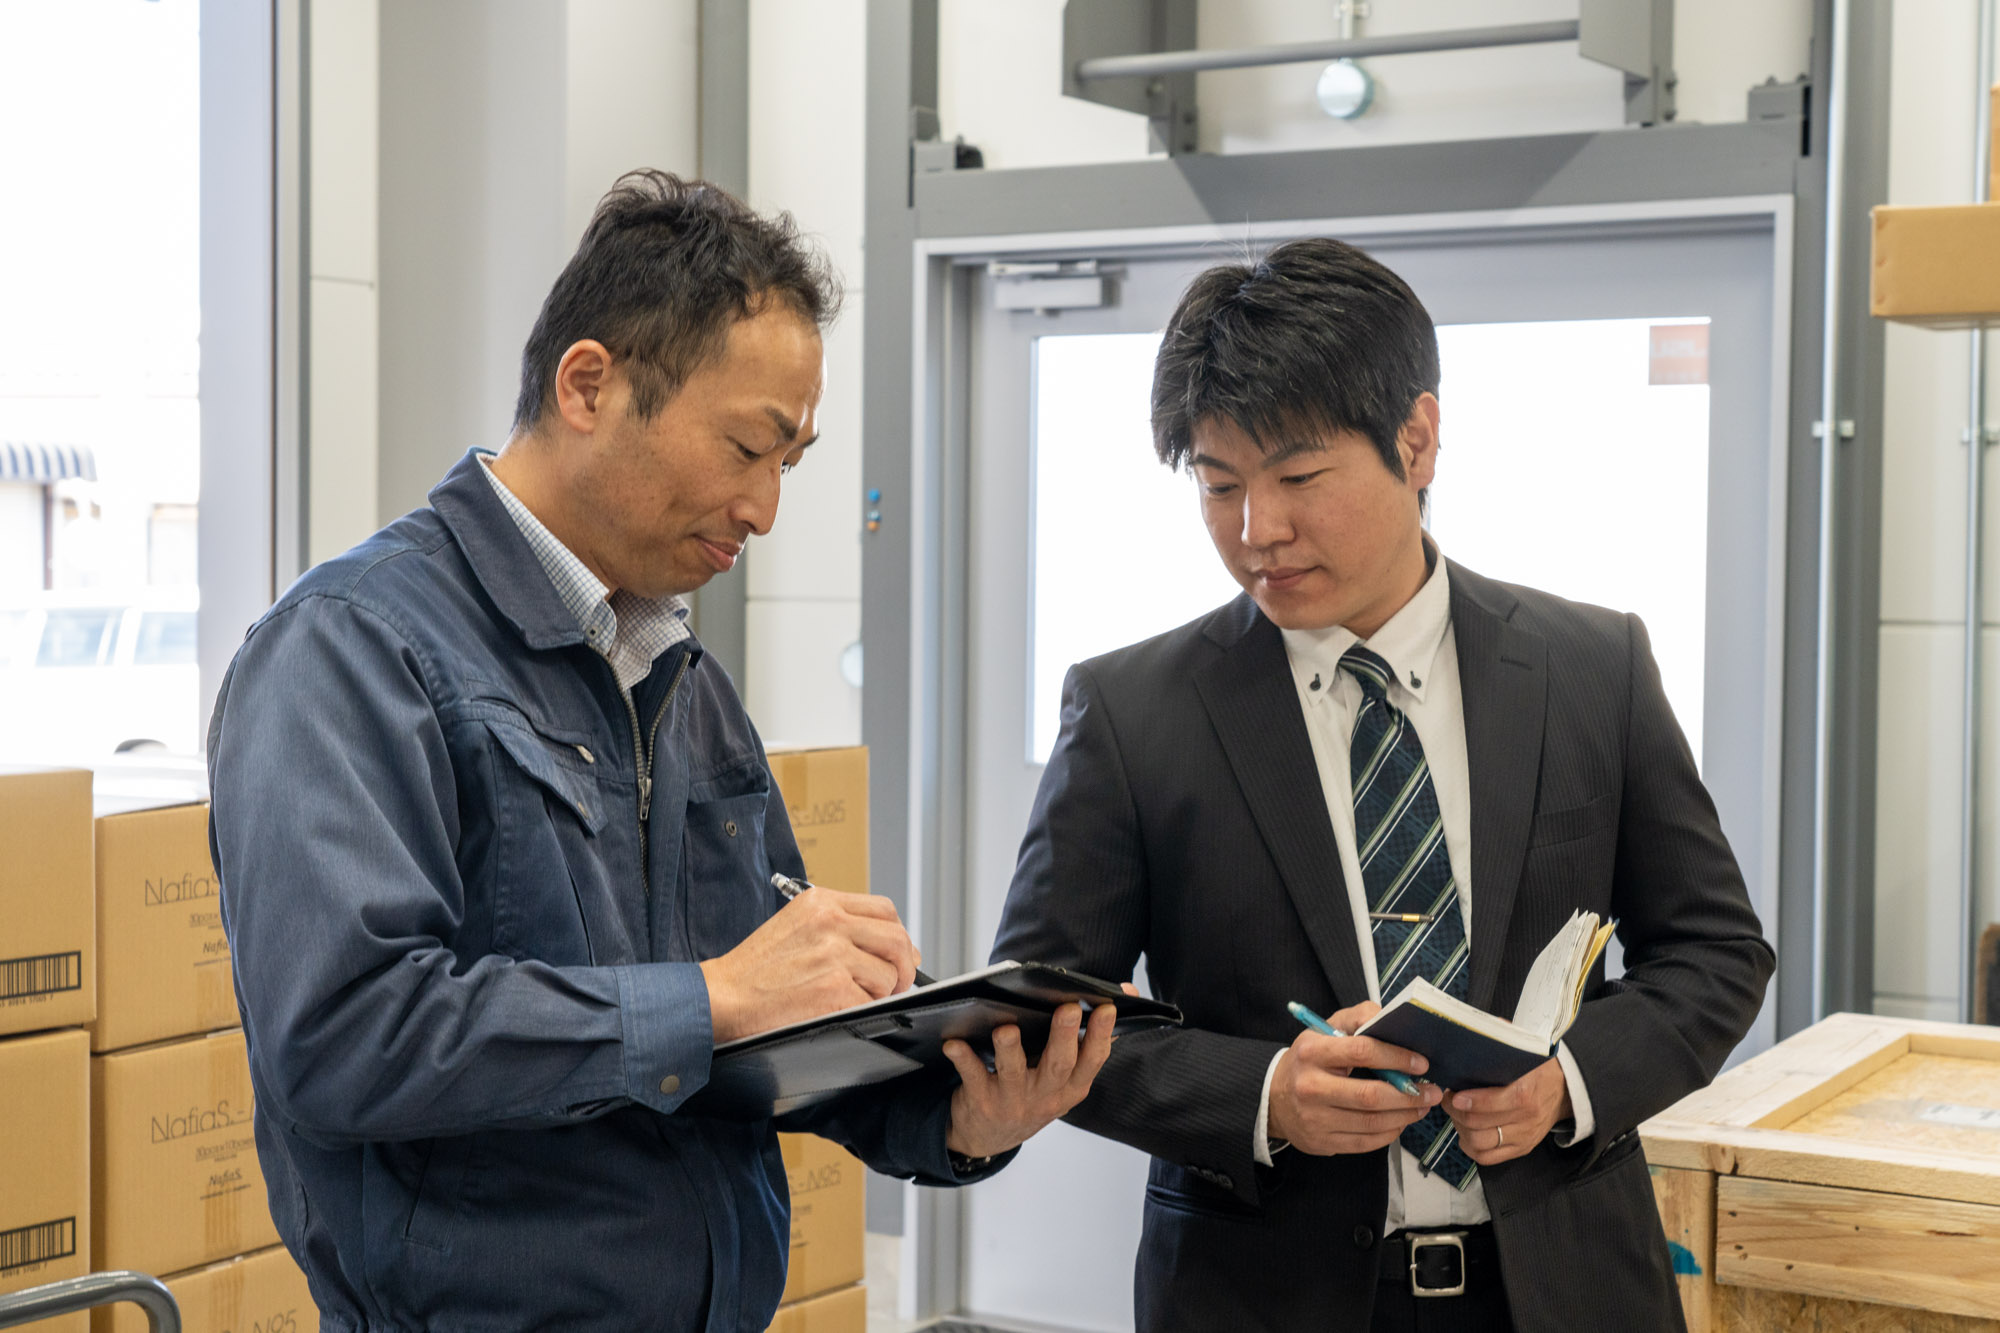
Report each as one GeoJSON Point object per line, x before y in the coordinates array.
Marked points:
{"type": "Point", "coordinates": [961, 1165]}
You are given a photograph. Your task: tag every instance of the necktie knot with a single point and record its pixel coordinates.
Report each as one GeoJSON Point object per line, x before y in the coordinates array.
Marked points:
{"type": "Point", "coordinates": [1373, 673]}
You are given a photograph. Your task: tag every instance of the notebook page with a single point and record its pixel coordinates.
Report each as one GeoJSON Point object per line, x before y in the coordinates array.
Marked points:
{"type": "Point", "coordinates": [1552, 980]}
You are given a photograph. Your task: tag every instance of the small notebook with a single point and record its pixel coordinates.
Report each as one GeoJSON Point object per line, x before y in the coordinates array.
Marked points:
{"type": "Point", "coordinates": [1470, 1048]}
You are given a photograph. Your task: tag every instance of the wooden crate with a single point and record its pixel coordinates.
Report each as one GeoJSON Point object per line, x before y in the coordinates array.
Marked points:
{"type": "Point", "coordinates": [1847, 1178]}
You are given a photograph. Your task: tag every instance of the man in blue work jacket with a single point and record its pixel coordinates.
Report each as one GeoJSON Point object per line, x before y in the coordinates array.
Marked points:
{"type": "Point", "coordinates": [495, 841]}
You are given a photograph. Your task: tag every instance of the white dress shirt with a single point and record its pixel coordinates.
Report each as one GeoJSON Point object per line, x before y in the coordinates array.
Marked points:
{"type": "Point", "coordinates": [1422, 651]}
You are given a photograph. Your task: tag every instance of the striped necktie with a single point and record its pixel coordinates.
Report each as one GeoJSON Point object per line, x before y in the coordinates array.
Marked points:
{"type": "Point", "coordinates": [1406, 869]}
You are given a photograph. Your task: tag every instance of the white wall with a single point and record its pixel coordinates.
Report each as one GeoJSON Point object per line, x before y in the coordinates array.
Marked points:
{"type": "Point", "coordinates": [502, 121]}
{"type": "Point", "coordinates": [807, 133]}
{"type": "Point", "coordinates": [344, 52]}
{"type": "Point", "coordinates": [1921, 714]}
{"type": "Point", "coordinates": [1000, 77]}
{"type": "Point", "coordinates": [473, 215]}
{"type": "Point", "coordinates": [631, 82]}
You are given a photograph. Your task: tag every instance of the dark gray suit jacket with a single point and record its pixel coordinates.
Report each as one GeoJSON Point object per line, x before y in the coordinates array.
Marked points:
{"type": "Point", "coordinates": [1181, 817]}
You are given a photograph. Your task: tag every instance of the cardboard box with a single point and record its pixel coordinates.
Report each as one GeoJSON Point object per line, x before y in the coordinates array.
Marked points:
{"type": "Point", "coordinates": [162, 959]}
{"type": "Point", "coordinates": [828, 1205]}
{"type": "Point", "coordinates": [836, 1312]}
{"type": "Point", "coordinates": [259, 1293]}
{"type": "Point", "coordinates": [48, 944]}
{"type": "Point", "coordinates": [45, 1164]}
{"type": "Point", "coordinates": [174, 1176]}
{"type": "Point", "coordinates": [826, 795]}
{"type": "Point", "coordinates": [1936, 266]}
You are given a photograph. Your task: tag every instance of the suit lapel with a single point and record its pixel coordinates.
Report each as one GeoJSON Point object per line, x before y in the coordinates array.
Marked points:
{"type": "Point", "coordinates": [1255, 708]}
{"type": "Point", "coordinates": [1503, 678]}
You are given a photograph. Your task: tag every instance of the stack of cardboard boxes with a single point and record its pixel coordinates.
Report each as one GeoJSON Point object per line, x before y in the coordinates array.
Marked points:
{"type": "Point", "coordinates": [826, 795]}
{"type": "Point", "coordinates": [125, 1105]}
{"type": "Point", "coordinates": [125, 1102]}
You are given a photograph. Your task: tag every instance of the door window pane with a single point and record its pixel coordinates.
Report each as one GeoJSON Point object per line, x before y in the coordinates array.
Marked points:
{"type": "Point", "coordinates": [1119, 550]}
{"type": "Point", "coordinates": [1574, 459]}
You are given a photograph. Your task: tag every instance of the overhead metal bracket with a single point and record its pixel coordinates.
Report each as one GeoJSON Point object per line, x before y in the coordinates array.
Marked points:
{"type": "Point", "coordinates": [1046, 286]}
{"type": "Point", "coordinates": [1140, 55]}
{"type": "Point", "coordinates": [1636, 36]}
{"type": "Point", "coordinates": [1093, 29]}
{"type": "Point", "coordinates": [930, 151]}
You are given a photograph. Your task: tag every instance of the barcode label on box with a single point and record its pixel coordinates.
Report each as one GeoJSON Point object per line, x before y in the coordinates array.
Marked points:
{"type": "Point", "coordinates": [37, 1244]}
{"type": "Point", "coordinates": [20, 977]}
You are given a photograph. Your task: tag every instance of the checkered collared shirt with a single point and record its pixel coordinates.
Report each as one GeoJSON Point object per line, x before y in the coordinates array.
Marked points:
{"type": "Point", "coordinates": [629, 631]}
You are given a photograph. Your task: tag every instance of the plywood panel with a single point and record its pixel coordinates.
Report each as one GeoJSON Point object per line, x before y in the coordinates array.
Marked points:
{"type": "Point", "coordinates": [1791, 1078]}
{"type": "Point", "coordinates": [1772, 1154]}
{"type": "Point", "coordinates": [1687, 1214]}
{"type": "Point", "coordinates": [1944, 1103]}
{"type": "Point", "coordinates": [1885, 1249]}
{"type": "Point", "coordinates": [1752, 1310]}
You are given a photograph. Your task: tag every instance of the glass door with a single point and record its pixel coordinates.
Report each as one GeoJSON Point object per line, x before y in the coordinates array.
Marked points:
{"type": "Point", "coordinates": [1608, 435]}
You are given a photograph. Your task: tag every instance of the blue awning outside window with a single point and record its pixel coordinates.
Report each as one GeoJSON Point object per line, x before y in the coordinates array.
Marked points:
{"type": "Point", "coordinates": [45, 463]}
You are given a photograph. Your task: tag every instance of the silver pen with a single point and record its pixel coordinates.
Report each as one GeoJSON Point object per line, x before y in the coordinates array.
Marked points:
{"type": "Point", "coordinates": [789, 888]}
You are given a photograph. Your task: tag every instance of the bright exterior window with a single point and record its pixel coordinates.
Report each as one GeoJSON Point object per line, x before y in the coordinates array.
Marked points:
{"type": "Point", "coordinates": [1575, 460]}
{"type": "Point", "coordinates": [1119, 549]}
{"type": "Point", "coordinates": [1549, 432]}
{"type": "Point", "coordinates": [100, 433]}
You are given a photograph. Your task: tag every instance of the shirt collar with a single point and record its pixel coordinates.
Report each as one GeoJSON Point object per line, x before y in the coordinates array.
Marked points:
{"type": "Point", "coordinates": [581, 591]}
{"type": "Point", "coordinates": [1408, 641]}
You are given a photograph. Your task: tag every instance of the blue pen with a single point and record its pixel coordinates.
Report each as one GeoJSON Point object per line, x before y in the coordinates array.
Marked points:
{"type": "Point", "coordinates": [1400, 1082]}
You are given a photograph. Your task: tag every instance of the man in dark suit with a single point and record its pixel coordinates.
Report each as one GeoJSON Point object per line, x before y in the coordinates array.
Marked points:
{"type": "Point", "coordinates": [1373, 766]}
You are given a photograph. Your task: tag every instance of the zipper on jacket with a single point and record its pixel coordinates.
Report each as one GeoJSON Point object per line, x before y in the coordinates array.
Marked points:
{"type": "Point", "coordinates": [642, 759]}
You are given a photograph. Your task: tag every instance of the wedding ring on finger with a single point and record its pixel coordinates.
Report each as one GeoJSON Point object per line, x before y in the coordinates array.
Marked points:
{"type": "Point", "coordinates": [1499, 1136]}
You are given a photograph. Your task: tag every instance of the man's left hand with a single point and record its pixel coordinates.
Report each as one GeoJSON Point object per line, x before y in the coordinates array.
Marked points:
{"type": "Point", "coordinates": [992, 1112]}
{"type": "Point", "coordinates": [1500, 1124]}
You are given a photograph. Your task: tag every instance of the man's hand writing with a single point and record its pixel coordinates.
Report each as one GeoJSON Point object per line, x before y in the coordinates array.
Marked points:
{"type": "Point", "coordinates": [992, 1112]}
{"type": "Point", "coordinates": [822, 951]}
{"type": "Point", "coordinates": [1500, 1124]}
{"type": "Point", "coordinates": [1320, 1107]}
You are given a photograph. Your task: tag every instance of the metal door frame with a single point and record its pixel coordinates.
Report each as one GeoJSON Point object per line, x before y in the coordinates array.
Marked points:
{"type": "Point", "coordinates": [912, 581]}
{"type": "Point", "coordinates": [940, 370]}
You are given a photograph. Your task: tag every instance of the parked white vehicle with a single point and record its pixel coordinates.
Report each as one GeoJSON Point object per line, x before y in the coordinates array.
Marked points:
{"type": "Point", "coordinates": [89, 673]}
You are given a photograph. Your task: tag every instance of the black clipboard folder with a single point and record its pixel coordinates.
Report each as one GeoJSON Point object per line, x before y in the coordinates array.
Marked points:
{"type": "Point", "coordinates": [805, 1064]}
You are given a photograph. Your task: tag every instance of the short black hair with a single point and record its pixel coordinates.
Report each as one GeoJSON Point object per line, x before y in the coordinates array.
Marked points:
{"type": "Point", "coordinates": [665, 267]}
{"type": "Point", "coordinates": [1313, 339]}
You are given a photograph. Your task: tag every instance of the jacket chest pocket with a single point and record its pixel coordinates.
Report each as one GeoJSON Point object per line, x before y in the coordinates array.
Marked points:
{"type": "Point", "coordinates": [553, 896]}
{"type": "Point", "coordinates": [725, 873]}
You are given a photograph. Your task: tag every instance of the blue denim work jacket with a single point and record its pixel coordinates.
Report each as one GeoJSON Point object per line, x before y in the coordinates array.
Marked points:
{"type": "Point", "coordinates": [467, 949]}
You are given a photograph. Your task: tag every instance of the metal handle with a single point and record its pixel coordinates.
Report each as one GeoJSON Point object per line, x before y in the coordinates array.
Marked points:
{"type": "Point", "coordinates": [1975, 511]}
{"type": "Point", "coordinates": [75, 1294]}
{"type": "Point", "coordinates": [1162, 63]}
{"type": "Point", "coordinates": [1830, 435]}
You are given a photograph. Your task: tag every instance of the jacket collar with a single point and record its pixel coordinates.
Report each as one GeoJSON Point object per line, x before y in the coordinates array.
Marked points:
{"type": "Point", "coordinates": [1254, 707]}
{"type": "Point", "coordinates": [1503, 681]}
{"type": "Point", "coordinates": [501, 558]}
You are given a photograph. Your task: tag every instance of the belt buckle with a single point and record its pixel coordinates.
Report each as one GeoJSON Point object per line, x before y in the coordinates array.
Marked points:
{"type": "Point", "coordinates": [1426, 1279]}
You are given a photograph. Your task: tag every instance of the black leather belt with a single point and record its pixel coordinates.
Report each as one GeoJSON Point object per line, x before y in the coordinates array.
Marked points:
{"type": "Point", "coordinates": [1445, 1261]}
